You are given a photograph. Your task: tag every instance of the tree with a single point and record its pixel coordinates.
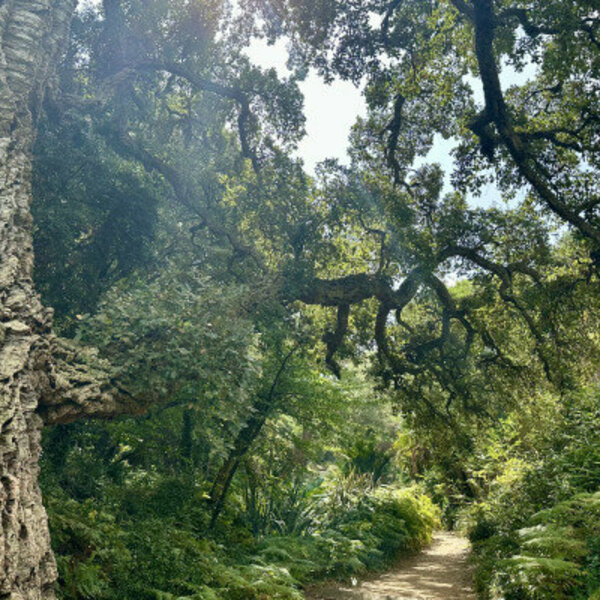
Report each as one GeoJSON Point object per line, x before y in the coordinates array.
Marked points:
{"type": "Point", "coordinates": [417, 57]}
{"type": "Point", "coordinates": [43, 379]}
{"type": "Point", "coordinates": [369, 242]}
{"type": "Point", "coordinates": [39, 375]}
{"type": "Point", "coordinates": [33, 37]}
{"type": "Point", "coordinates": [537, 139]}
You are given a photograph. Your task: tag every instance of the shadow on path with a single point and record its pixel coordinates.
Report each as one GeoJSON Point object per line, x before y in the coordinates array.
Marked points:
{"type": "Point", "coordinates": [440, 572]}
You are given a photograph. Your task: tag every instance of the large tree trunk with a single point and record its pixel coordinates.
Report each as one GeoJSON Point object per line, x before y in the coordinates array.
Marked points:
{"type": "Point", "coordinates": [32, 33]}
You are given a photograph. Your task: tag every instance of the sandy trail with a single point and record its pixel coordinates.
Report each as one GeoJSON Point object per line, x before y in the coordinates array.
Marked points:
{"type": "Point", "coordinates": [440, 572]}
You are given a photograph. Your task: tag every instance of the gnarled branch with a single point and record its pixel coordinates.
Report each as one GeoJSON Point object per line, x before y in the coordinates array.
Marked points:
{"type": "Point", "coordinates": [203, 84]}
{"type": "Point", "coordinates": [83, 385]}
{"type": "Point", "coordinates": [498, 113]}
{"type": "Point", "coordinates": [333, 339]}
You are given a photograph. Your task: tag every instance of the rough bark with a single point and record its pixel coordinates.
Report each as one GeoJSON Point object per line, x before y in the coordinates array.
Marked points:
{"type": "Point", "coordinates": [32, 33]}
{"type": "Point", "coordinates": [81, 385]}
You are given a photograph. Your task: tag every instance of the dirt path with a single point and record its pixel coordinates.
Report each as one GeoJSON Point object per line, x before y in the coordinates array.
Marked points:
{"type": "Point", "coordinates": [440, 572]}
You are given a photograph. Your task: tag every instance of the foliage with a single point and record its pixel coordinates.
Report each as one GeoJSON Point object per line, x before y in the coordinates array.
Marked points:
{"type": "Point", "coordinates": [535, 532]}
{"type": "Point", "coordinates": [184, 241]}
{"type": "Point", "coordinates": [95, 216]}
{"type": "Point", "coordinates": [177, 336]}
{"type": "Point", "coordinates": [138, 534]}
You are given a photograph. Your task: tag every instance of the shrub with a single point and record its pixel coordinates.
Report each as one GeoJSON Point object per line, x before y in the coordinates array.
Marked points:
{"type": "Point", "coordinates": [556, 557]}
{"type": "Point", "coordinates": [156, 555]}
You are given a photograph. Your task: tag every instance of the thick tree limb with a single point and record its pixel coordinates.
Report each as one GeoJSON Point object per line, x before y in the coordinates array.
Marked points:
{"type": "Point", "coordinates": [334, 339]}
{"type": "Point", "coordinates": [394, 134]}
{"type": "Point", "coordinates": [385, 23]}
{"type": "Point", "coordinates": [451, 311]}
{"type": "Point", "coordinates": [350, 289]}
{"type": "Point", "coordinates": [82, 385]}
{"type": "Point", "coordinates": [353, 289]}
{"type": "Point", "coordinates": [497, 112]}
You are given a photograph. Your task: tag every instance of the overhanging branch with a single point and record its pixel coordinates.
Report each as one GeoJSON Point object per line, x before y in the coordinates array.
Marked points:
{"type": "Point", "coordinates": [204, 84]}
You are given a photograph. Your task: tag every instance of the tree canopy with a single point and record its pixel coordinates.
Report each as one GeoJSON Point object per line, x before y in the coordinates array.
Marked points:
{"type": "Point", "coordinates": [168, 93]}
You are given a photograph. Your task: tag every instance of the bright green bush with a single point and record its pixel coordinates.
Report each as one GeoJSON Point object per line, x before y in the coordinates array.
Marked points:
{"type": "Point", "coordinates": [368, 533]}
{"type": "Point", "coordinates": [387, 522]}
{"type": "Point", "coordinates": [554, 558]}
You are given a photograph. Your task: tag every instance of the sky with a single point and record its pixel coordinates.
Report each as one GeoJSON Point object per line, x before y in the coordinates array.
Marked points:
{"type": "Point", "coordinates": [330, 109]}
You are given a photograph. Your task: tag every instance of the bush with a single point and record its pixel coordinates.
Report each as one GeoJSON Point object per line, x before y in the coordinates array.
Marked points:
{"type": "Point", "coordinates": [368, 534]}
{"type": "Point", "coordinates": [556, 557]}
{"type": "Point", "coordinates": [157, 555]}
{"type": "Point", "coordinates": [535, 528]}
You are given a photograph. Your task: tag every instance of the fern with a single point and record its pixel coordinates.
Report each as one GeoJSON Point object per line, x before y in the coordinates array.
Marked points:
{"type": "Point", "coordinates": [554, 542]}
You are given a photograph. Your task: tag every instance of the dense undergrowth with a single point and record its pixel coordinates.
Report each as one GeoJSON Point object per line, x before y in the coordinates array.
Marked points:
{"type": "Point", "coordinates": [155, 557]}
{"type": "Point", "coordinates": [126, 533]}
{"type": "Point", "coordinates": [158, 556]}
{"type": "Point", "coordinates": [536, 527]}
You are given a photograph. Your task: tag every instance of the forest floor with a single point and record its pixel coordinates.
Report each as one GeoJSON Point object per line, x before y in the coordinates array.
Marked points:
{"type": "Point", "coordinates": [440, 572]}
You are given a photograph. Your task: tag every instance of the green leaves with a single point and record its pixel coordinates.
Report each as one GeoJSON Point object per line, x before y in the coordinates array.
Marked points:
{"type": "Point", "coordinates": [177, 337]}
{"type": "Point", "coordinates": [535, 533]}
{"type": "Point", "coordinates": [181, 234]}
